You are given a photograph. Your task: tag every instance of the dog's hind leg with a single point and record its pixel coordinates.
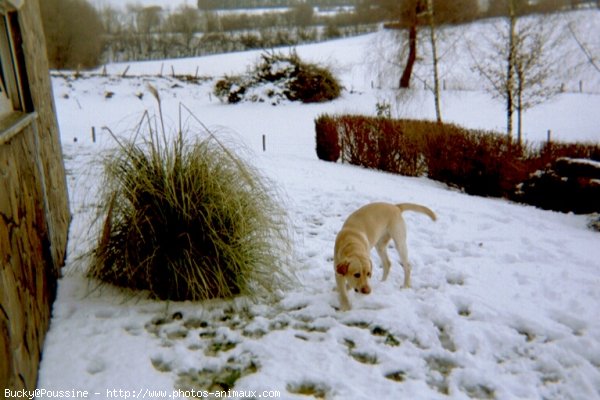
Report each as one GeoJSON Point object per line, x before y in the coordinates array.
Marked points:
{"type": "Point", "coordinates": [399, 237]}
{"type": "Point", "coordinates": [381, 247]}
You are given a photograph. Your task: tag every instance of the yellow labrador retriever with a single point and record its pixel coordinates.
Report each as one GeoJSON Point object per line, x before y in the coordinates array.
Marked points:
{"type": "Point", "coordinates": [372, 225]}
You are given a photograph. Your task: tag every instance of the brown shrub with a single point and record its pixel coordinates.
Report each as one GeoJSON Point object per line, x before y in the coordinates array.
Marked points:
{"type": "Point", "coordinates": [382, 143]}
{"type": "Point", "coordinates": [479, 162]}
{"type": "Point", "coordinates": [328, 142]}
{"type": "Point", "coordinates": [541, 157]}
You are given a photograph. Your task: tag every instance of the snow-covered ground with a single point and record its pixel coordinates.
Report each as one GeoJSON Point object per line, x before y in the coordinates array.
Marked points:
{"type": "Point", "coordinates": [505, 297]}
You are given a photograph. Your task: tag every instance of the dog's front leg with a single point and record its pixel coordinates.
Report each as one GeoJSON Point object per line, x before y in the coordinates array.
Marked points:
{"type": "Point", "coordinates": [341, 288]}
{"type": "Point", "coordinates": [383, 256]}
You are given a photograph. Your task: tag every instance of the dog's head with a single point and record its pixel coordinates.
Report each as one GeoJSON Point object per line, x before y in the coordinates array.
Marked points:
{"type": "Point", "coordinates": [357, 271]}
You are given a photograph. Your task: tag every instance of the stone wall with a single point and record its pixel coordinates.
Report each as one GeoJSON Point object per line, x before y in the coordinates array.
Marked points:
{"type": "Point", "coordinates": [34, 217]}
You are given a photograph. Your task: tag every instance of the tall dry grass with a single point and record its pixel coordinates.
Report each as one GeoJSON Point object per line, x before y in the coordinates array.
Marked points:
{"type": "Point", "coordinates": [187, 219]}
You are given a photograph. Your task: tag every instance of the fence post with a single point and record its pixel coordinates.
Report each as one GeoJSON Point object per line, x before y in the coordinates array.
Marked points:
{"type": "Point", "coordinates": [549, 137]}
{"type": "Point", "coordinates": [264, 142]}
{"type": "Point", "coordinates": [93, 134]}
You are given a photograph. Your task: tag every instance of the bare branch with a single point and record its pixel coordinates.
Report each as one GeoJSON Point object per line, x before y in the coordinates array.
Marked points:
{"type": "Point", "coordinates": [584, 49]}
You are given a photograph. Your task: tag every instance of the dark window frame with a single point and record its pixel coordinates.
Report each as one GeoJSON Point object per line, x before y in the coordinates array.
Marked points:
{"type": "Point", "coordinates": [13, 74]}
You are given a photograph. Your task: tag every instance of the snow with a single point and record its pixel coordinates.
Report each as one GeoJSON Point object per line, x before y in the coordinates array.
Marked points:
{"type": "Point", "coordinates": [505, 297]}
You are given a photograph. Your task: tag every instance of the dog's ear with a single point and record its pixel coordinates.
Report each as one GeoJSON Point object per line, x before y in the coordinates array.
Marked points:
{"type": "Point", "coordinates": [342, 268]}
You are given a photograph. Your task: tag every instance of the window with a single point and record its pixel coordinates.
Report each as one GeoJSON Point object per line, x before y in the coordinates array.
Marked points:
{"type": "Point", "coordinates": [13, 94]}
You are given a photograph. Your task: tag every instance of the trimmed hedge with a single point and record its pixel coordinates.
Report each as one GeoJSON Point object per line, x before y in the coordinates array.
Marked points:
{"type": "Point", "coordinates": [479, 162]}
{"type": "Point", "coordinates": [328, 147]}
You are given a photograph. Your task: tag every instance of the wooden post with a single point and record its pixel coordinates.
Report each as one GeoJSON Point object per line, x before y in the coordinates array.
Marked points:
{"type": "Point", "coordinates": [94, 134]}
{"type": "Point", "coordinates": [549, 137]}
{"type": "Point", "coordinates": [264, 142]}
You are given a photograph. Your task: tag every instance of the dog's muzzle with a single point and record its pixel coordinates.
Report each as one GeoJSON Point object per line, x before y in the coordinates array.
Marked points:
{"type": "Point", "coordinates": [363, 290]}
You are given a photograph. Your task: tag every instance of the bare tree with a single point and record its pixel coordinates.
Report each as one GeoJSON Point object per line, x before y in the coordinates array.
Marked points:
{"type": "Point", "coordinates": [111, 19]}
{"type": "Point", "coordinates": [185, 21]}
{"type": "Point", "coordinates": [148, 19]}
{"type": "Point", "coordinates": [73, 31]}
{"type": "Point", "coordinates": [518, 61]}
{"type": "Point", "coordinates": [404, 16]}
{"type": "Point", "coordinates": [410, 14]}
{"type": "Point", "coordinates": [434, 56]}
{"type": "Point", "coordinates": [536, 61]}
{"type": "Point", "coordinates": [443, 12]}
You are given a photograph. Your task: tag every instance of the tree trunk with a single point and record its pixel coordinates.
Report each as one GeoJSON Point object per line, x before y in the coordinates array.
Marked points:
{"type": "Point", "coordinates": [436, 79]}
{"type": "Point", "coordinates": [510, 107]}
{"type": "Point", "coordinates": [519, 114]}
{"type": "Point", "coordinates": [412, 56]}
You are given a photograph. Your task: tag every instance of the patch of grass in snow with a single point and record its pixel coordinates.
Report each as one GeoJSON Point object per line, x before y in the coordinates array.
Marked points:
{"type": "Point", "coordinates": [218, 346]}
{"type": "Point", "coordinates": [479, 392]}
{"type": "Point", "coordinates": [396, 376]}
{"type": "Point", "coordinates": [161, 364]}
{"type": "Point", "coordinates": [316, 390]}
{"type": "Point", "coordinates": [221, 379]}
{"type": "Point", "coordinates": [310, 328]}
{"type": "Point", "coordinates": [529, 336]}
{"type": "Point", "coordinates": [364, 358]}
{"type": "Point", "coordinates": [254, 332]}
{"type": "Point", "coordinates": [358, 324]}
{"type": "Point", "coordinates": [350, 344]}
{"type": "Point", "coordinates": [377, 331]}
{"type": "Point", "coordinates": [464, 311]}
{"type": "Point", "coordinates": [440, 369]}
{"type": "Point", "coordinates": [195, 323]}
{"type": "Point", "coordinates": [445, 339]}
{"type": "Point", "coordinates": [389, 340]}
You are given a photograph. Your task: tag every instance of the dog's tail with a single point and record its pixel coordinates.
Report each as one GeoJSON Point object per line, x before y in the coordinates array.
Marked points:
{"type": "Point", "coordinates": [417, 208]}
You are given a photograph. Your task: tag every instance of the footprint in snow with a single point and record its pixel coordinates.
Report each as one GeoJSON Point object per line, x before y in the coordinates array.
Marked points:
{"type": "Point", "coordinates": [96, 366]}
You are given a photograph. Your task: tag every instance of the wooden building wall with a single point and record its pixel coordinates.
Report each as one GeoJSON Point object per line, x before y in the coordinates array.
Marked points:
{"type": "Point", "coordinates": [34, 216]}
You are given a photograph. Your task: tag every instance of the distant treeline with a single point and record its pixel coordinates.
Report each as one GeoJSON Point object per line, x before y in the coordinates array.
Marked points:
{"type": "Point", "coordinates": [248, 4]}
{"type": "Point", "coordinates": [524, 7]}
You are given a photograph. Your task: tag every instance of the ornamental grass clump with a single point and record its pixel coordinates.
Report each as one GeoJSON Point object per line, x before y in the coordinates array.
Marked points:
{"type": "Point", "coordinates": [189, 220]}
